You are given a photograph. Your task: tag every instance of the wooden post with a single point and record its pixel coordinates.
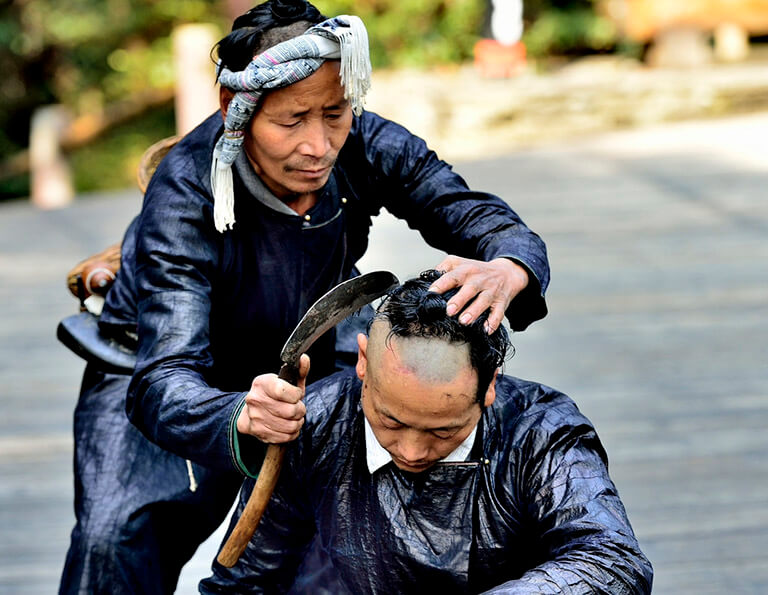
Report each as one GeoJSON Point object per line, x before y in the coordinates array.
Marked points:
{"type": "Point", "coordinates": [50, 177]}
{"type": "Point", "coordinates": [197, 94]}
{"type": "Point", "coordinates": [507, 21]}
{"type": "Point", "coordinates": [731, 42]}
{"type": "Point", "coordinates": [504, 55]}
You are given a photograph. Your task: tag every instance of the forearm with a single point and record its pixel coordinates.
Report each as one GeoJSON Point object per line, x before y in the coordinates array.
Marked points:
{"type": "Point", "coordinates": [530, 304]}
{"type": "Point", "coordinates": [171, 398]}
{"type": "Point", "coordinates": [174, 408]}
{"type": "Point", "coordinates": [407, 178]}
{"type": "Point", "coordinates": [601, 569]}
{"type": "Point", "coordinates": [469, 224]}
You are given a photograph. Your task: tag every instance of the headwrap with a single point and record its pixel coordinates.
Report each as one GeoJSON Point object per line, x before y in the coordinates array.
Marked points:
{"type": "Point", "coordinates": [286, 63]}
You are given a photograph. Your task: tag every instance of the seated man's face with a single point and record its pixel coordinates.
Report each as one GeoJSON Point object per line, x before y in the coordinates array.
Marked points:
{"type": "Point", "coordinates": [419, 396]}
{"type": "Point", "coordinates": [297, 133]}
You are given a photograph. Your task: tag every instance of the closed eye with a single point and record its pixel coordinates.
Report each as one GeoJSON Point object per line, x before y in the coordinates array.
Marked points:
{"type": "Point", "coordinates": [443, 434]}
{"type": "Point", "coordinates": [391, 423]}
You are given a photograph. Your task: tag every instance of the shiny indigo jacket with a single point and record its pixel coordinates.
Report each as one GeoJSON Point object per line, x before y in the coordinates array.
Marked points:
{"type": "Point", "coordinates": [212, 310]}
{"type": "Point", "coordinates": [532, 510]}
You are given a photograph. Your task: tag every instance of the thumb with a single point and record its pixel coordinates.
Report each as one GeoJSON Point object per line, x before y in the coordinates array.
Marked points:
{"type": "Point", "coordinates": [303, 371]}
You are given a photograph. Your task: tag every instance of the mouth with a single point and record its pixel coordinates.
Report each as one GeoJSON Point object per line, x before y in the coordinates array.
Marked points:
{"type": "Point", "coordinates": [314, 173]}
{"type": "Point", "coordinates": [412, 467]}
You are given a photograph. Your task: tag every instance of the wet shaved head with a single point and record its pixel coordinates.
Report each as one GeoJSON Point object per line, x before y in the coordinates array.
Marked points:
{"type": "Point", "coordinates": [418, 329]}
{"type": "Point", "coordinates": [432, 360]}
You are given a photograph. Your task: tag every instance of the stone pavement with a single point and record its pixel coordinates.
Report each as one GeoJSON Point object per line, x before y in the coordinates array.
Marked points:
{"type": "Point", "coordinates": [658, 328]}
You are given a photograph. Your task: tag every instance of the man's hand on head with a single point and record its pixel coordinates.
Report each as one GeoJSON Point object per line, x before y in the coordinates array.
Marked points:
{"type": "Point", "coordinates": [483, 285]}
{"type": "Point", "coordinates": [274, 410]}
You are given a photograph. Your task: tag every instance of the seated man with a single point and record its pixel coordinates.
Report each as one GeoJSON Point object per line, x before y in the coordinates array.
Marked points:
{"type": "Point", "coordinates": [428, 468]}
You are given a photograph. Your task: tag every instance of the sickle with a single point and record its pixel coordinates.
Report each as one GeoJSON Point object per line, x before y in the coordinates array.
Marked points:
{"type": "Point", "coordinates": [327, 312]}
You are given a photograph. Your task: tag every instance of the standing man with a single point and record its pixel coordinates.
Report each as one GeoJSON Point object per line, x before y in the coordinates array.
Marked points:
{"type": "Point", "coordinates": [247, 221]}
{"type": "Point", "coordinates": [429, 470]}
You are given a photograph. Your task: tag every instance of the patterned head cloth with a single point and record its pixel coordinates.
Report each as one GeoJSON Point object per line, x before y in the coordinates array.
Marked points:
{"type": "Point", "coordinates": [343, 37]}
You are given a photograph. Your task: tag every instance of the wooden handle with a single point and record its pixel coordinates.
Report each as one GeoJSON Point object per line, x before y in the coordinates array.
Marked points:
{"type": "Point", "coordinates": [257, 503]}
{"type": "Point", "coordinates": [262, 491]}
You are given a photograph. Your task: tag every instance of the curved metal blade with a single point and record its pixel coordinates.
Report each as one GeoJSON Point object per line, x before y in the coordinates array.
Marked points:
{"type": "Point", "coordinates": [332, 308]}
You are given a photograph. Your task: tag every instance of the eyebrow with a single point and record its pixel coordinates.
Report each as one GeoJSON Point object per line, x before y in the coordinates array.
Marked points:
{"type": "Point", "coordinates": [384, 412]}
{"type": "Point", "coordinates": [340, 105]}
{"type": "Point", "coordinates": [326, 108]}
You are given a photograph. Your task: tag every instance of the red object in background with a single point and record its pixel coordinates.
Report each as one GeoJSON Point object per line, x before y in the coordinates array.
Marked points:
{"type": "Point", "coordinates": [497, 60]}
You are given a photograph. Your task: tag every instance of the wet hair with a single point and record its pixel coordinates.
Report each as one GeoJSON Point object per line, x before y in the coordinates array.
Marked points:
{"type": "Point", "coordinates": [411, 310]}
{"type": "Point", "coordinates": [262, 27]}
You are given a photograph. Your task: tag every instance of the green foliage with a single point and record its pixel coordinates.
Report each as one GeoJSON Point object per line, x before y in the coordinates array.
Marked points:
{"type": "Point", "coordinates": [88, 54]}
{"type": "Point", "coordinates": [112, 161]}
{"type": "Point", "coordinates": [415, 33]}
{"type": "Point", "coordinates": [14, 187]}
{"type": "Point", "coordinates": [573, 31]}
{"type": "Point", "coordinates": [85, 53]}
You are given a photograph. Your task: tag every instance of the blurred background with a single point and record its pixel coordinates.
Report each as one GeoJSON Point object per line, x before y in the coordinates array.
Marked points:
{"type": "Point", "coordinates": [109, 71]}
{"type": "Point", "coordinates": [631, 134]}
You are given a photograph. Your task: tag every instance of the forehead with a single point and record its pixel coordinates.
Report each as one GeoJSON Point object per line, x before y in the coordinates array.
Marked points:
{"type": "Point", "coordinates": [431, 359]}
{"type": "Point", "coordinates": [322, 88]}
{"type": "Point", "coordinates": [418, 379]}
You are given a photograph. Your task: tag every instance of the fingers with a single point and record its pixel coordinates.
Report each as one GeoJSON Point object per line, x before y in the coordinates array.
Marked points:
{"type": "Point", "coordinates": [477, 301]}
{"type": "Point", "coordinates": [274, 410]}
{"type": "Point", "coordinates": [449, 279]}
{"type": "Point", "coordinates": [483, 286]}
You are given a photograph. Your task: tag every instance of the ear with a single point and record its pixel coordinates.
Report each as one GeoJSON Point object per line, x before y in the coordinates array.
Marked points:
{"type": "Point", "coordinates": [490, 394]}
{"type": "Point", "coordinates": [362, 357]}
{"type": "Point", "coordinates": [225, 96]}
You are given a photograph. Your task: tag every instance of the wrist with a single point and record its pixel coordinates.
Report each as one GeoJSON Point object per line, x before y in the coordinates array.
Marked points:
{"type": "Point", "coordinates": [516, 270]}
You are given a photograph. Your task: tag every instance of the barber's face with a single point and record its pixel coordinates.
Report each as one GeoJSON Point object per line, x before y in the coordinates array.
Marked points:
{"type": "Point", "coordinates": [419, 422]}
{"type": "Point", "coordinates": [297, 133]}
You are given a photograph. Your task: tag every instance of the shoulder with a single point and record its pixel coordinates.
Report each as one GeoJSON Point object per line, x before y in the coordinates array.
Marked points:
{"type": "Point", "coordinates": [523, 407]}
{"type": "Point", "coordinates": [386, 145]}
{"type": "Point", "coordinates": [179, 193]}
{"type": "Point", "coordinates": [332, 401]}
{"type": "Point", "coordinates": [370, 125]}
{"type": "Point", "coordinates": [188, 164]}
{"type": "Point", "coordinates": [523, 397]}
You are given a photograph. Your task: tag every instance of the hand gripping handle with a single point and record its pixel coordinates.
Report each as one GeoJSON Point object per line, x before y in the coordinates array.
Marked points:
{"type": "Point", "coordinates": [262, 491]}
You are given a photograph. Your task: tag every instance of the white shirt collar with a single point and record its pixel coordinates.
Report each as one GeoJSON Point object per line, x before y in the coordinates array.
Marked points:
{"type": "Point", "coordinates": [377, 456]}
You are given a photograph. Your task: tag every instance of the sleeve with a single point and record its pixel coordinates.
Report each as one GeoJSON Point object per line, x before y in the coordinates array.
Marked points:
{"type": "Point", "coordinates": [414, 185]}
{"type": "Point", "coordinates": [582, 530]}
{"type": "Point", "coordinates": [273, 556]}
{"type": "Point", "coordinates": [170, 398]}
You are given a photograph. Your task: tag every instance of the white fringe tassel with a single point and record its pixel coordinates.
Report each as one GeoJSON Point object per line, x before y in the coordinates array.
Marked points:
{"type": "Point", "coordinates": [356, 78]}
{"type": "Point", "coordinates": [355, 63]}
{"type": "Point", "coordinates": [223, 196]}
{"type": "Point", "coordinates": [191, 474]}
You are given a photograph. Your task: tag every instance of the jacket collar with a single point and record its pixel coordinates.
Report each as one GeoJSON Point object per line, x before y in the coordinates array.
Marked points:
{"type": "Point", "coordinates": [377, 456]}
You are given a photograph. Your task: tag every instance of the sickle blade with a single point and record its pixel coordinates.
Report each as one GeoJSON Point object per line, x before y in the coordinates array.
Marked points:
{"type": "Point", "coordinates": [325, 313]}
{"type": "Point", "coordinates": [332, 308]}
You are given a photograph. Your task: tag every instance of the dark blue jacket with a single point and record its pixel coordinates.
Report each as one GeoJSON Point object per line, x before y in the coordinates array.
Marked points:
{"type": "Point", "coordinates": [213, 310]}
{"type": "Point", "coordinates": [533, 509]}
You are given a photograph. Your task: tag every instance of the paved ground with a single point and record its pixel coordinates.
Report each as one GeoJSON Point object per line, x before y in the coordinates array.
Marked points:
{"type": "Point", "coordinates": [658, 243]}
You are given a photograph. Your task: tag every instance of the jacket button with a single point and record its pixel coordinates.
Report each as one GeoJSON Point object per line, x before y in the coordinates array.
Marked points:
{"type": "Point", "coordinates": [307, 218]}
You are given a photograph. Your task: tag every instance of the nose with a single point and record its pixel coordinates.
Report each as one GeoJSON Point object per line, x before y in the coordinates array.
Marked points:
{"type": "Point", "coordinates": [315, 141]}
{"type": "Point", "coordinates": [413, 449]}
